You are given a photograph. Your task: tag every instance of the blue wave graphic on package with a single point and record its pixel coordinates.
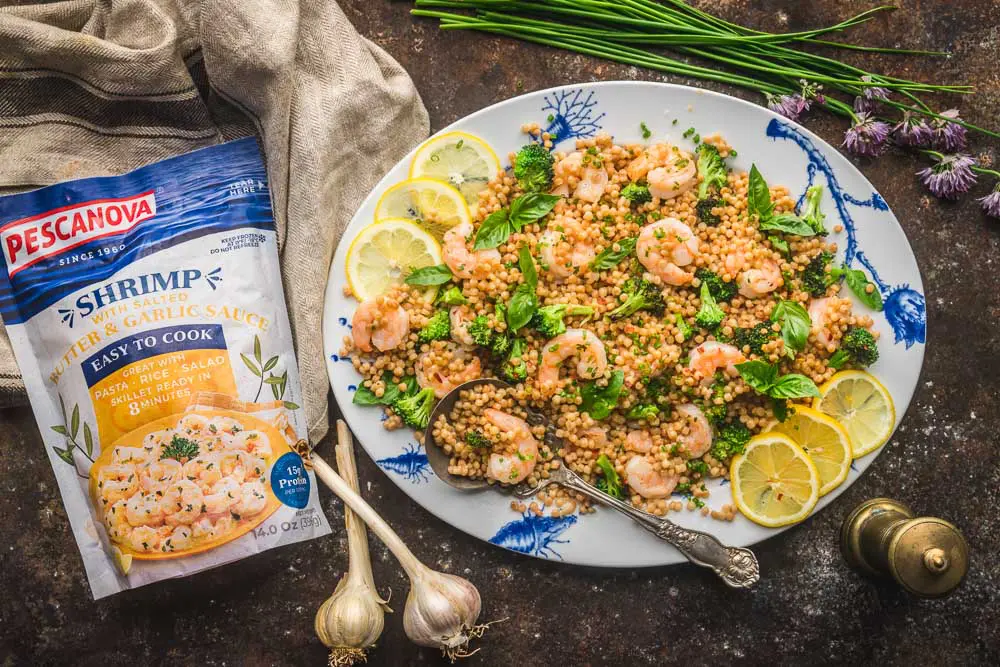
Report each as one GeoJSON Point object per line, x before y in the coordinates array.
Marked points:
{"type": "Point", "coordinates": [78, 237]}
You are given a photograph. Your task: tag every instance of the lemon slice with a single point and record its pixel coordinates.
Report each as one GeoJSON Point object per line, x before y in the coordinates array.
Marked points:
{"type": "Point", "coordinates": [462, 160]}
{"type": "Point", "coordinates": [862, 406]}
{"type": "Point", "coordinates": [123, 561]}
{"type": "Point", "coordinates": [774, 481]}
{"type": "Point", "coordinates": [384, 252]}
{"type": "Point", "coordinates": [435, 205]}
{"type": "Point", "coordinates": [824, 440]}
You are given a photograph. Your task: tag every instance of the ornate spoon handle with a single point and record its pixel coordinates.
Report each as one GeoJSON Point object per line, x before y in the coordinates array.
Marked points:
{"type": "Point", "coordinates": [736, 566]}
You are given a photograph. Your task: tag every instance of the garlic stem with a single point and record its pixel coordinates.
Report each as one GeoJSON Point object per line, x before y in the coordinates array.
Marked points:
{"type": "Point", "coordinates": [441, 609]}
{"type": "Point", "coordinates": [351, 620]}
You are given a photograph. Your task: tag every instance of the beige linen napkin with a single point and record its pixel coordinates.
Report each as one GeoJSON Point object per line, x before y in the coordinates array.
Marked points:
{"type": "Point", "coordinates": [95, 87]}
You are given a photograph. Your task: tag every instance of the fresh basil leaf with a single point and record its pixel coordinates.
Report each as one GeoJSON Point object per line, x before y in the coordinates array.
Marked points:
{"type": "Point", "coordinates": [795, 324]}
{"type": "Point", "coordinates": [758, 195]}
{"type": "Point", "coordinates": [598, 401]}
{"type": "Point", "coordinates": [787, 223]}
{"type": "Point", "coordinates": [780, 408]}
{"type": "Point", "coordinates": [858, 281]}
{"type": "Point", "coordinates": [530, 207]}
{"type": "Point", "coordinates": [523, 304]}
{"type": "Point", "coordinates": [365, 396]}
{"type": "Point", "coordinates": [760, 375]}
{"type": "Point", "coordinates": [411, 385]}
{"type": "Point", "coordinates": [527, 266]}
{"type": "Point", "coordinates": [793, 385]}
{"type": "Point", "coordinates": [495, 230]}
{"type": "Point", "coordinates": [429, 275]}
{"type": "Point", "coordinates": [780, 244]}
{"type": "Point", "coordinates": [609, 258]}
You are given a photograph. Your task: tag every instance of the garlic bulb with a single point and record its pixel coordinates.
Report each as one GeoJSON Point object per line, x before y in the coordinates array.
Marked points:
{"type": "Point", "coordinates": [351, 620]}
{"type": "Point", "coordinates": [441, 609]}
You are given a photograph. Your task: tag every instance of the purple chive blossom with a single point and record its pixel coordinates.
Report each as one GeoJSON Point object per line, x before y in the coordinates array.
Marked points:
{"type": "Point", "coordinates": [867, 137]}
{"type": "Point", "coordinates": [948, 136]}
{"type": "Point", "coordinates": [991, 202]}
{"type": "Point", "coordinates": [789, 106]}
{"type": "Point", "coordinates": [913, 131]}
{"type": "Point", "coordinates": [950, 177]}
{"type": "Point", "coordinates": [870, 97]}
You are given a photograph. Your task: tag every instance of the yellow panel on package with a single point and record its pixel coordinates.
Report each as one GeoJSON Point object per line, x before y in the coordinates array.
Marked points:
{"type": "Point", "coordinates": [156, 373]}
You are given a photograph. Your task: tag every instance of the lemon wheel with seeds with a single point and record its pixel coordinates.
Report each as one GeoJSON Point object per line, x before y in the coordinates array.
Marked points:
{"type": "Point", "coordinates": [824, 440]}
{"type": "Point", "coordinates": [774, 481]}
{"type": "Point", "coordinates": [384, 252]}
{"type": "Point", "coordinates": [862, 405]}
{"type": "Point", "coordinates": [432, 204]}
{"type": "Point", "coordinates": [462, 160]}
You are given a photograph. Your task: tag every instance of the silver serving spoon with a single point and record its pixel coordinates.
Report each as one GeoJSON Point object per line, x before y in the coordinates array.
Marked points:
{"type": "Point", "coordinates": [735, 565]}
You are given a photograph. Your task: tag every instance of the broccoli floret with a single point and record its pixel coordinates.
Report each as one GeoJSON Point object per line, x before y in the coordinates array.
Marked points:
{"type": "Point", "coordinates": [533, 168]}
{"type": "Point", "coordinates": [731, 439]}
{"type": "Point", "coordinates": [478, 440]}
{"type": "Point", "coordinates": [720, 289]}
{"type": "Point", "coordinates": [704, 210]}
{"type": "Point", "coordinates": [548, 320]}
{"type": "Point", "coordinates": [639, 295]}
{"type": "Point", "coordinates": [514, 369]}
{"type": "Point", "coordinates": [501, 345]}
{"type": "Point", "coordinates": [712, 169]}
{"type": "Point", "coordinates": [858, 347]}
{"type": "Point", "coordinates": [685, 329]}
{"type": "Point", "coordinates": [415, 409]}
{"type": "Point", "coordinates": [698, 467]}
{"type": "Point", "coordinates": [479, 330]}
{"type": "Point", "coordinates": [716, 412]}
{"type": "Point", "coordinates": [451, 297]}
{"type": "Point", "coordinates": [754, 337]}
{"type": "Point", "coordinates": [643, 411]}
{"type": "Point", "coordinates": [637, 193]}
{"type": "Point", "coordinates": [815, 278]}
{"type": "Point", "coordinates": [438, 327]}
{"type": "Point", "coordinates": [811, 214]}
{"type": "Point", "coordinates": [609, 482]}
{"type": "Point", "coordinates": [709, 315]}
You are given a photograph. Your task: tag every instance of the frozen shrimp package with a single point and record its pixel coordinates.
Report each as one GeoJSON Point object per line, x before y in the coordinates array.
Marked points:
{"type": "Point", "coordinates": [147, 315]}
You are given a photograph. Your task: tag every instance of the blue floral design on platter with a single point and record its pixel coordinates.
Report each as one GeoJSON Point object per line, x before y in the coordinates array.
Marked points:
{"type": "Point", "coordinates": [412, 464]}
{"type": "Point", "coordinates": [905, 308]}
{"type": "Point", "coordinates": [534, 535]}
{"type": "Point", "coordinates": [571, 114]}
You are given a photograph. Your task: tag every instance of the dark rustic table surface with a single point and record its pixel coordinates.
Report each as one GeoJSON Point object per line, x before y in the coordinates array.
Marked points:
{"type": "Point", "coordinates": [809, 607]}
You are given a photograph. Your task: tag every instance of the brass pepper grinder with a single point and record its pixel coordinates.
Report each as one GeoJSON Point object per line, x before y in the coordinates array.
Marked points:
{"type": "Point", "coordinates": [927, 556]}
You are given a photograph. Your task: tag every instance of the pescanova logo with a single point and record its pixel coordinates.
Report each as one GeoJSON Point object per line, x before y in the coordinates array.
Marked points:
{"type": "Point", "coordinates": [127, 288]}
{"type": "Point", "coordinates": [30, 240]}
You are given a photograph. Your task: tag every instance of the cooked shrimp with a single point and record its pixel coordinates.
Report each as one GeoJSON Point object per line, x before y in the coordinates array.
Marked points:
{"type": "Point", "coordinates": [819, 313]}
{"type": "Point", "coordinates": [117, 522]}
{"type": "Point", "coordinates": [144, 509]}
{"type": "Point", "coordinates": [664, 247]}
{"type": "Point", "coordinates": [381, 322]}
{"type": "Point", "coordinates": [668, 170]}
{"type": "Point", "coordinates": [461, 317]}
{"type": "Point", "coordinates": [593, 359]}
{"type": "Point", "coordinates": [462, 261]}
{"type": "Point", "coordinates": [235, 464]}
{"type": "Point", "coordinates": [202, 527]}
{"type": "Point", "coordinates": [117, 482]}
{"type": "Point", "coordinates": [569, 166]}
{"type": "Point", "coordinates": [178, 540]}
{"type": "Point", "coordinates": [122, 454]}
{"type": "Point", "coordinates": [222, 525]}
{"type": "Point", "coordinates": [188, 425]}
{"type": "Point", "coordinates": [762, 280]}
{"type": "Point", "coordinates": [699, 437]}
{"type": "Point", "coordinates": [203, 469]}
{"type": "Point", "coordinates": [639, 441]}
{"type": "Point", "coordinates": [592, 184]}
{"type": "Point", "coordinates": [565, 248]}
{"type": "Point", "coordinates": [711, 355]}
{"type": "Point", "coordinates": [182, 502]}
{"type": "Point", "coordinates": [158, 474]}
{"type": "Point", "coordinates": [509, 469]}
{"type": "Point", "coordinates": [597, 436]}
{"type": "Point", "coordinates": [145, 538]}
{"type": "Point", "coordinates": [252, 499]}
{"type": "Point", "coordinates": [224, 425]}
{"type": "Point", "coordinates": [651, 157]}
{"type": "Point", "coordinates": [646, 480]}
{"type": "Point", "coordinates": [224, 495]}
{"type": "Point", "coordinates": [462, 366]}
{"type": "Point", "coordinates": [154, 442]}
{"type": "Point", "coordinates": [254, 443]}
